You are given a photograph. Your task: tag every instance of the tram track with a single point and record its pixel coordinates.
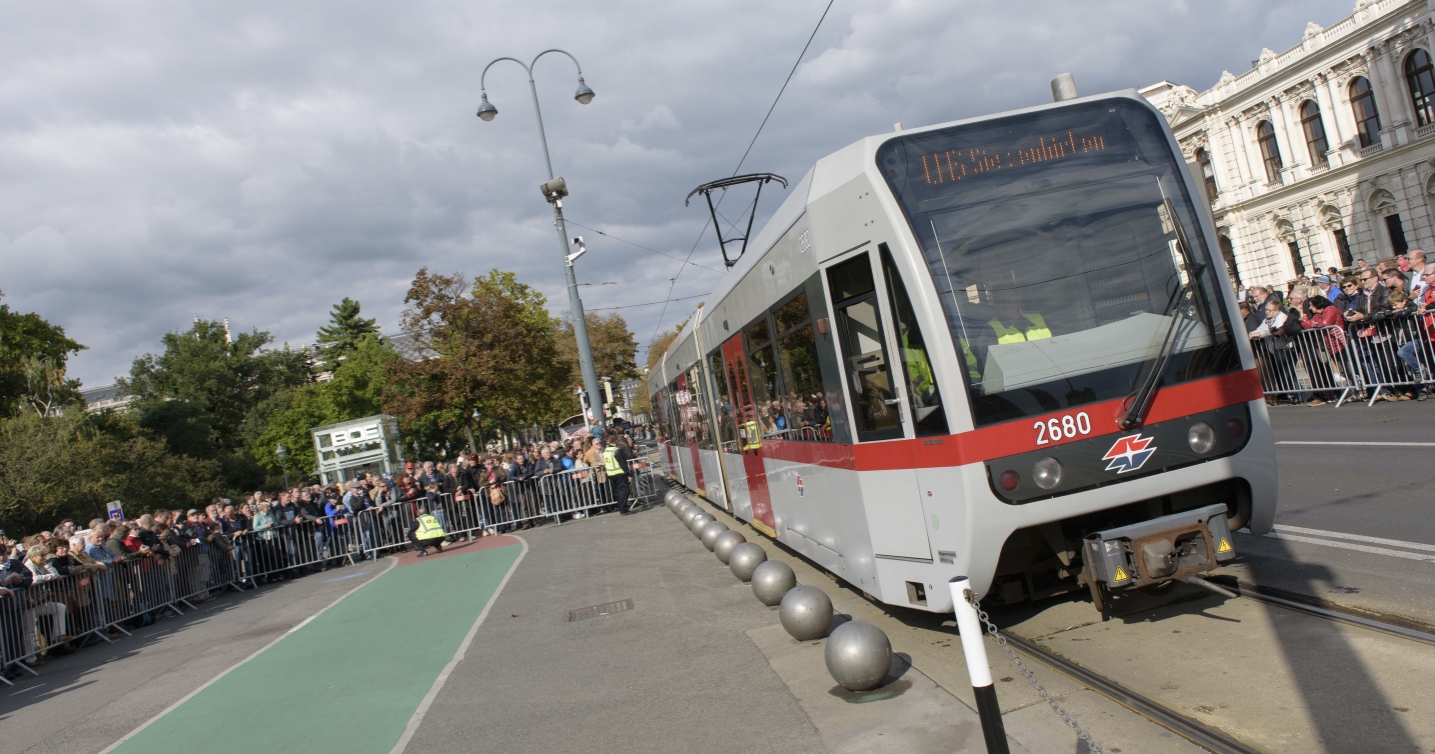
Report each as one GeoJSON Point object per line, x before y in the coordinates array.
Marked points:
{"type": "Point", "coordinates": [1195, 731]}
{"type": "Point", "coordinates": [1199, 733]}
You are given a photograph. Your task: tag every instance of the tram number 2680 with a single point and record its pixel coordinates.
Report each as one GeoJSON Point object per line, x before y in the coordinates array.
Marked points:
{"type": "Point", "coordinates": [1066, 427]}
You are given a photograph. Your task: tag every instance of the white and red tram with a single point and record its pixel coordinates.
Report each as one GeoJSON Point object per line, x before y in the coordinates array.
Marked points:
{"type": "Point", "coordinates": [997, 348]}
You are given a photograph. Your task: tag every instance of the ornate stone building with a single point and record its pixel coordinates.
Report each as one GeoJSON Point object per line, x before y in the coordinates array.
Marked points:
{"type": "Point", "coordinates": [1321, 154]}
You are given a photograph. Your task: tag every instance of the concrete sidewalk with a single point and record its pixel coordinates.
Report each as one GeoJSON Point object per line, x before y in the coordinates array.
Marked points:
{"type": "Point", "coordinates": [697, 664]}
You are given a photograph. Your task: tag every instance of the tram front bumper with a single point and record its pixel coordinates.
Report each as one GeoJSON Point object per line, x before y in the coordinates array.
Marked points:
{"type": "Point", "coordinates": [1151, 552]}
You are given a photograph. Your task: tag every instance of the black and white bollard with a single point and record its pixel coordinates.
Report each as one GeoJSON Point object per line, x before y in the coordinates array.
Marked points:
{"type": "Point", "coordinates": [973, 646]}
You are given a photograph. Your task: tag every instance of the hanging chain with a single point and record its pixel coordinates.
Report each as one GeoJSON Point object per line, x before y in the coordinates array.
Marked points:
{"type": "Point", "coordinates": [1091, 743]}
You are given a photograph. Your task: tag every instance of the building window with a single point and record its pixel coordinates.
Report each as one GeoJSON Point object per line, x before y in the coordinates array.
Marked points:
{"type": "Point", "coordinates": [1295, 257]}
{"type": "Point", "coordinates": [1397, 235]}
{"type": "Point", "coordinates": [1270, 151]}
{"type": "Point", "coordinates": [1420, 75]}
{"type": "Point", "coordinates": [1367, 119]}
{"type": "Point", "coordinates": [1208, 172]}
{"type": "Point", "coordinates": [1315, 140]}
{"type": "Point", "coordinates": [1342, 247]}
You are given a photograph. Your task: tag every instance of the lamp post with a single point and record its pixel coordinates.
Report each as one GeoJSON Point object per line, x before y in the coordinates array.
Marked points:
{"type": "Point", "coordinates": [283, 454]}
{"type": "Point", "coordinates": [478, 422]}
{"type": "Point", "coordinates": [554, 191]}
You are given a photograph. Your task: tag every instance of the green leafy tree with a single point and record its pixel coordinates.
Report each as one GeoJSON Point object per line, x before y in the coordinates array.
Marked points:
{"type": "Point", "coordinates": [229, 384]}
{"type": "Point", "coordinates": [343, 333]}
{"type": "Point", "coordinates": [32, 348]}
{"type": "Point", "coordinates": [497, 351]}
{"type": "Point", "coordinates": [355, 391]}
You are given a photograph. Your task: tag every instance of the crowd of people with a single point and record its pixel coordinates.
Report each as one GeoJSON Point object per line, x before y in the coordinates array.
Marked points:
{"type": "Point", "coordinates": [122, 573]}
{"type": "Point", "coordinates": [1378, 320]}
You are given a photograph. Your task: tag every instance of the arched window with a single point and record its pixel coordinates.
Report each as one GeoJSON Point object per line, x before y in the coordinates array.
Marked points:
{"type": "Point", "coordinates": [1315, 140]}
{"type": "Point", "coordinates": [1203, 159]}
{"type": "Point", "coordinates": [1270, 151]}
{"type": "Point", "coordinates": [1367, 119]}
{"type": "Point", "coordinates": [1420, 75]}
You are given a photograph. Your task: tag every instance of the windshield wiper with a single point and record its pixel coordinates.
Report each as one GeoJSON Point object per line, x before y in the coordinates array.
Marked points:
{"type": "Point", "coordinates": [1145, 393]}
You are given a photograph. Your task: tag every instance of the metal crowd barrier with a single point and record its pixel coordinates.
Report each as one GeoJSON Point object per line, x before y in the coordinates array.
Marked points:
{"type": "Point", "coordinates": [1339, 363]}
{"type": "Point", "coordinates": [71, 608]}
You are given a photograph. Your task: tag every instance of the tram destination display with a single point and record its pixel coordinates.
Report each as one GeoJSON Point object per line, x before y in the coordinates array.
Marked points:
{"type": "Point", "coordinates": [955, 164]}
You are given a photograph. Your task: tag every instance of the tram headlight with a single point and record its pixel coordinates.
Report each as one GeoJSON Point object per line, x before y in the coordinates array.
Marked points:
{"type": "Point", "coordinates": [1201, 437]}
{"type": "Point", "coordinates": [1046, 473]}
{"type": "Point", "coordinates": [1009, 480]}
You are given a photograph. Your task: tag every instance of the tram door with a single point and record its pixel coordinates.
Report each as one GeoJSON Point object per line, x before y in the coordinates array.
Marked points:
{"type": "Point", "coordinates": [749, 435]}
{"type": "Point", "coordinates": [686, 407]}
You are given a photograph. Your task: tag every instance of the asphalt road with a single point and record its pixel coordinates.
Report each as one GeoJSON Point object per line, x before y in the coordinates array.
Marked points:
{"type": "Point", "coordinates": [1354, 522]}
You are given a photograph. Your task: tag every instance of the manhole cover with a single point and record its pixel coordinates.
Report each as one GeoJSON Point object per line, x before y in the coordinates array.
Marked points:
{"type": "Point", "coordinates": [607, 608]}
{"type": "Point", "coordinates": [265, 631]}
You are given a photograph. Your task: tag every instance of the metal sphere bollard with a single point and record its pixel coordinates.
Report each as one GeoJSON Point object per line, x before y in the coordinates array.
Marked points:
{"type": "Point", "coordinates": [858, 655]}
{"type": "Point", "coordinates": [725, 542]}
{"type": "Point", "coordinates": [698, 522]}
{"type": "Point", "coordinates": [682, 507]}
{"type": "Point", "coordinates": [673, 498]}
{"type": "Point", "coordinates": [805, 612]}
{"type": "Point", "coordinates": [710, 532]}
{"type": "Point", "coordinates": [745, 559]}
{"type": "Point", "coordinates": [771, 580]}
{"type": "Point", "coordinates": [688, 515]}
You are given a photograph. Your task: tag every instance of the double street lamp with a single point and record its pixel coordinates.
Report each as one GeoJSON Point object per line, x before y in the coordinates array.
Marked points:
{"type": "Point", "coordinates": [554, 190]}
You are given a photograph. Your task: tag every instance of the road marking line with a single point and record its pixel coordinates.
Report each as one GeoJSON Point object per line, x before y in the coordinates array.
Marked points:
{"type": "Point", "coordinates": [423, 708]}
{"type": "Point", "coordinates": [1358, 444]}
{"type": "Point", "coordinates": [1355, 537]}
{"type": "Point", "coordinates": [1348, 546]}
{"type": "Point", "coordinates": [237, 665]}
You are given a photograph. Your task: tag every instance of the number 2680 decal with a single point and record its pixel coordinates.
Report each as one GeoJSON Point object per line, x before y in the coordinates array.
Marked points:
{"type": "Point", "coordinates": [1066, 427]}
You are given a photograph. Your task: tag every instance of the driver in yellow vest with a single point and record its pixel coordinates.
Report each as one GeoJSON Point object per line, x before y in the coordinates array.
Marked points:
{"type": "Point", "coordinates": [426, 532]}
{"type": "Point", "coordinates": [1010, 325]}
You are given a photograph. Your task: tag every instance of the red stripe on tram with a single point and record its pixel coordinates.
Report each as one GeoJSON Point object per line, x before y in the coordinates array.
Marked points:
{"type": "Point", "coordinates": [1018, 436]}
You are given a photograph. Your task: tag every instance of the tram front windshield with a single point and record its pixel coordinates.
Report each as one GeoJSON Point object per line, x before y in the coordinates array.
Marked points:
{"type": "Point", "coordinates": [1053, 242]}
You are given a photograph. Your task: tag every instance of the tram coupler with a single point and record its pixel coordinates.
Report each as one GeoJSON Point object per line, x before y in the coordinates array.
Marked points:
{"type": "Point", "coordinates": [1175, 547]}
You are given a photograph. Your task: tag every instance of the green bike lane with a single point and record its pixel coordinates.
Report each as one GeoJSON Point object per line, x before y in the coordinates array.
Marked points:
{"type": "Point", "coordinates": [351, 678]}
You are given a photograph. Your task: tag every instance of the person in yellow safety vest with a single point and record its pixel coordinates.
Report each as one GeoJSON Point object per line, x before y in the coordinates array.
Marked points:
{"type": "Point", "coordinates": [919, 369]}
{"type": "Point", "coordinates": [1008, 327]}
{"type": "Point", "coordinates": [615, 466]}
{"type": "Point", "coordinates": [1036, 330]}
{"type": "Point", "coordinates": [426, 532]}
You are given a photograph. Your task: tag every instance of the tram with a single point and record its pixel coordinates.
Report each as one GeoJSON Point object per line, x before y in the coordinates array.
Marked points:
{"type": "Point", "coordinates": [997, 348]}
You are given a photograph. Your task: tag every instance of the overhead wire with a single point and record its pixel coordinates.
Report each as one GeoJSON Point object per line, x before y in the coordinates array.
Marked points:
{"type": "Point", "coordinates": [645, 248]}
{"type": "Point", "coordinates": [674, 282]}
{"type": "Point", "coordinates": [650, 303]}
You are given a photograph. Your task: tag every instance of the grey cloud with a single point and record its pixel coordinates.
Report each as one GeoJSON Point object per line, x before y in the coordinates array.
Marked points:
{"type": "Point", "coordinates": [263, 160]}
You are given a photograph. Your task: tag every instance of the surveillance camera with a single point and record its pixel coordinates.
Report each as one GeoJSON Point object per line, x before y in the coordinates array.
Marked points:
{"type": "Point", "coordinates": [577, 240]}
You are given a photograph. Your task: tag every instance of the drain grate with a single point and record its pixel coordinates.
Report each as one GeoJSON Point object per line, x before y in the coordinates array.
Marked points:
{"type": "Point", "coordinates": [607, 608]}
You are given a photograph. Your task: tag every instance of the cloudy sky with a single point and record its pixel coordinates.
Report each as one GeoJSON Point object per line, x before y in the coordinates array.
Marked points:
{"type": "Point", "coordinates": [262, 160]}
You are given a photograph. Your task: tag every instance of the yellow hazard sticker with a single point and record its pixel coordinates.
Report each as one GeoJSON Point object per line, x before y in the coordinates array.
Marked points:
{"type": "Point", "coordinates": [1120, 574]}
{"type": "Point", "coordinates": [1224, 546]}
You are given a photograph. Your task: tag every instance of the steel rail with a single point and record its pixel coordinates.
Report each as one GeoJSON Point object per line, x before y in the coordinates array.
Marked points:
{"type": "Point", "coordinates": [1191, 729]}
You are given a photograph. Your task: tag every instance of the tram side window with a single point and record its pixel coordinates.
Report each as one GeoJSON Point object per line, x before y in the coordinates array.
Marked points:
{"type": "Point", "coordinates": [660, 414]}
{"type": "Point", "coordinates": [762, 381]}
{"type": "Point", "coordinates": [804, 404]}
{"type": "Point", "coordinates": [726, 428]}
{"type": "Point", "coordinates": [696, 412]}
{"type": "Point", "coordinates": [922, 393]}
{"type": "Point", "coordinates": [859, 323]}
{"type": "Point", "coordinates": [675, 426]}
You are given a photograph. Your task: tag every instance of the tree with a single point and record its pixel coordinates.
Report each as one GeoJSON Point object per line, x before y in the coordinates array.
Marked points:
{"type": "Point", "coordinates": [32, 348]}
{"type": "Point", "coordinates": [230, 385]}
{"type": "Point", "coordinates": [497, 351]}
{"type": "Point", "coordinates": [355, 391]}
{"type": "Point", "coordinates": [615, 351]}
{"type": "Point", "coordinates": [341, 337]}
{"type": "Point", "coordinates": [660, 344]}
